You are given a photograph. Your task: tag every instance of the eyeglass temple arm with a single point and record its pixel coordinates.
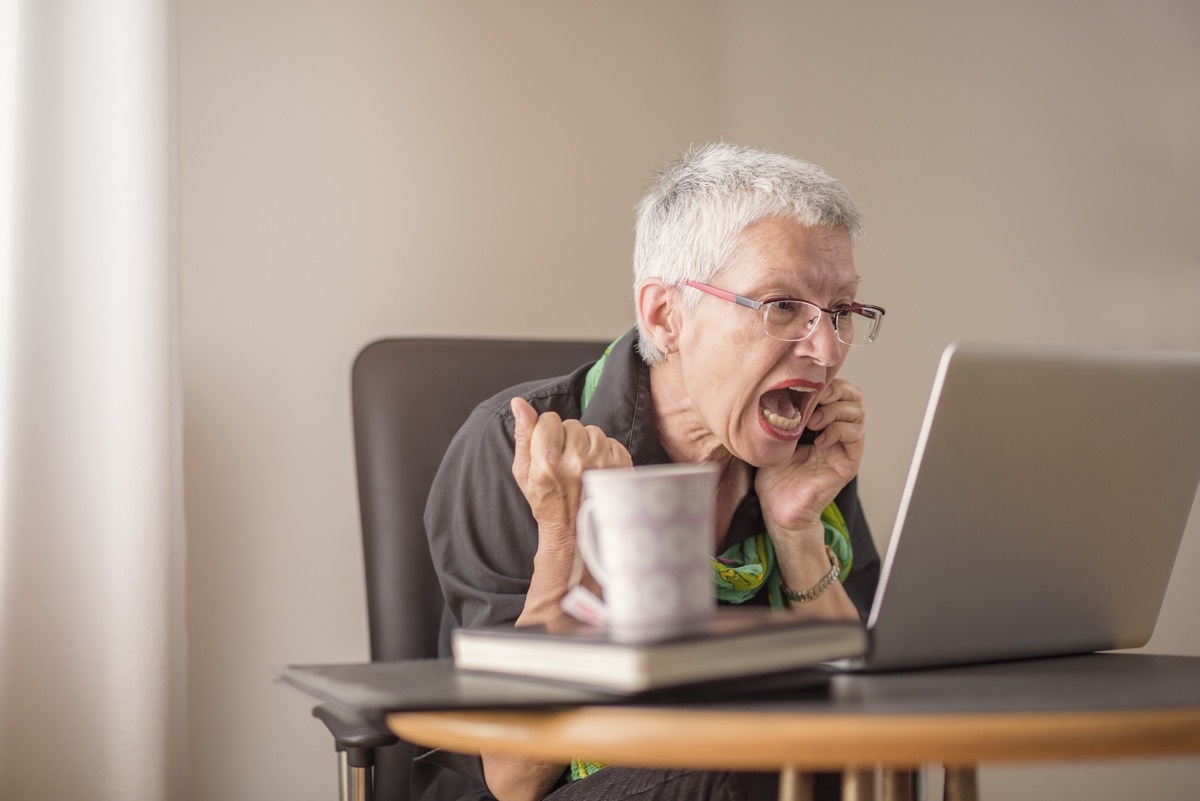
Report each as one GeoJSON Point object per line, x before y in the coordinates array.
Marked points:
{"type": "Point", "coordinates": [758, 304]}
{"type": "Point", "coordinates": [724, 295]}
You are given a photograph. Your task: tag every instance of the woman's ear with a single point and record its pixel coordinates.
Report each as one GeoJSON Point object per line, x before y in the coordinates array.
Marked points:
{"type": "Point", "coordinates": [658, 306]}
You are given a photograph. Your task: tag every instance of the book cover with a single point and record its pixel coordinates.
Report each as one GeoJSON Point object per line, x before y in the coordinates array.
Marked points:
{"type": "Point", "coordinates": [369, 689]}
{"type": "Point", "coordinates": [739, 642]}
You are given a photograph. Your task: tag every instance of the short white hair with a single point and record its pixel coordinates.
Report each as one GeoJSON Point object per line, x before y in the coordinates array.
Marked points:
{"type": "Point", "coordinates": [689, 222]}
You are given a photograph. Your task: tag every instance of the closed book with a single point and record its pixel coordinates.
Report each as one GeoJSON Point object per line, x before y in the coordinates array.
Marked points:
{"type": "Point", "coordinates": [738, 642]}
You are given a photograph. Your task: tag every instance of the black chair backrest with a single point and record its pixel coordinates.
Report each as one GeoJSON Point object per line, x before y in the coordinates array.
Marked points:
{"type": "Point", "coordinates": [409, 398]}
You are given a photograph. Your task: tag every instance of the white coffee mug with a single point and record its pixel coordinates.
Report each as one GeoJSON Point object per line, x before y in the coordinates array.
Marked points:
{"type": "Point", "coordinates": [646, 535]}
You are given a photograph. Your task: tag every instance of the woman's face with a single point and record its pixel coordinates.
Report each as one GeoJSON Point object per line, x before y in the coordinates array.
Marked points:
{"type": "Point", "coordinates": [752, 392]}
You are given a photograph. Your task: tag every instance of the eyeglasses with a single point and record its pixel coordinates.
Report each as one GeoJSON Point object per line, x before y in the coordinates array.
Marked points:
{"type": "Point", "coordinates": [794, 320]}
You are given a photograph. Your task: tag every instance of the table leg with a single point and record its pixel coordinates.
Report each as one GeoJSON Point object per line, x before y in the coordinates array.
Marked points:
{"type": "Point", "coordinates": [354, 781]}
{"type": "Point", "coordinates": [795, 785]}
{"type": "Point", "coordinates": [898, 784]}
{"type": "Point", "coordinates": [962, 783]}
{"type": "Point", "coordinates": [858, 784]}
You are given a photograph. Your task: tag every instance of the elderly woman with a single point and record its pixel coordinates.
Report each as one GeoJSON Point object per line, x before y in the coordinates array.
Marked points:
{"type": "Point", "coordinates": [746, 299]}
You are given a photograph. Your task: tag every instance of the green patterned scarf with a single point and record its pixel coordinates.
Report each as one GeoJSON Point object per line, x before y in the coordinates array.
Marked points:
{"type": "Point", "coordinates": [743, 570]}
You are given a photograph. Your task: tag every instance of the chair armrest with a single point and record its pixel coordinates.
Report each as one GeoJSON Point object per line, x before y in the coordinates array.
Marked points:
{"type": "Point", "coordinates": [354, 732]}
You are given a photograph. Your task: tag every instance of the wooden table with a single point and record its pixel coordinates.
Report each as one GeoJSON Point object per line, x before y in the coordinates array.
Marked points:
{"type": "Point", "coordinates": [1082, 707]}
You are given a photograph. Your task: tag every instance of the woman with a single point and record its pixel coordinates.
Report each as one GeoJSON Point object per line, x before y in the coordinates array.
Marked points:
{"type": "Point", "coordinates": [745, 293]}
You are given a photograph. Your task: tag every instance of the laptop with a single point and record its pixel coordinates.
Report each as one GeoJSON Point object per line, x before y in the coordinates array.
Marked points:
{"type": "Point", "coordinates": [1044, 506]}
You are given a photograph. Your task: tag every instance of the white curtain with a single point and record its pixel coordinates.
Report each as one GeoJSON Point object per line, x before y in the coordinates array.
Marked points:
{"type": "Point", "coordinates": [92, 639]}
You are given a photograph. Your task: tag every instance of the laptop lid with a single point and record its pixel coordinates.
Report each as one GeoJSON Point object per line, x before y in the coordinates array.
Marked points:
{"type": "Point", "coordinates": [1044, 507]}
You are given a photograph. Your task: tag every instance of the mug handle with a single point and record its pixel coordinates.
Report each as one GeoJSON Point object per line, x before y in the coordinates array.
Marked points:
{"type": "Point", "coordinates": [585, 538]}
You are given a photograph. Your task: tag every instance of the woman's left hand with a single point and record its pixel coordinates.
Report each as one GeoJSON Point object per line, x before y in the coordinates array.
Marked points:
{"type": "Point", "coordinates": [794, 494]}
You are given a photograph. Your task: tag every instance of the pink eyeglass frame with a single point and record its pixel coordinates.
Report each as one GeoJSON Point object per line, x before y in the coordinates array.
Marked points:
{"type": "Point", "coordinates": [756, 305]}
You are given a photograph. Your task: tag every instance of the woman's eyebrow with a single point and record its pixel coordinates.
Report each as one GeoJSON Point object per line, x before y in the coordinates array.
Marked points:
{"type": "Point", "coordinates": [852, 285]}
{"type": "Point", "coordinates": [805, 286]}
{"type": "Point", "coordinates": [848, 287]}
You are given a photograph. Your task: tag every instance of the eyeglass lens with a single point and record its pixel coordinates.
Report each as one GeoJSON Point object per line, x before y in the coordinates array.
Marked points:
{"type": "Point", "coordinates": [793, 321]}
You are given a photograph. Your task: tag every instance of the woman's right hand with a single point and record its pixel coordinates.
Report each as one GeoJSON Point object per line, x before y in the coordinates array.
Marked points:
{"type": "Point", "coordinates": [551, 455]}
{"type": "Point", "coordinates": [548, 463]}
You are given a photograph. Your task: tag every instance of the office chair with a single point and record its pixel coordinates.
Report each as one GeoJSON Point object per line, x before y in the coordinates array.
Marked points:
{"type": "Point", "coordinates": [409, 397]}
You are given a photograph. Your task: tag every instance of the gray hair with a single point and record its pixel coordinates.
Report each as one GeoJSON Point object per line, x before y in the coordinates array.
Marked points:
{"type": "Point", "coordinates": [689, 222]}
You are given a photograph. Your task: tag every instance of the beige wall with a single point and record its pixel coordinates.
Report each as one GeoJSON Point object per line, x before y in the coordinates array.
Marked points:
{"type": "Point", "coordinates": [347, 165]}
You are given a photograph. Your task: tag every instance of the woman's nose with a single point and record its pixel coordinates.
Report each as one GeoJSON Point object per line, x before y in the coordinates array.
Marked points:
{"type": "Point", "coordinates": [822, 345]}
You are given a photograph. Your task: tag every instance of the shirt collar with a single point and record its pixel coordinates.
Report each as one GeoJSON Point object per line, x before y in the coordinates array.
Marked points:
{"type": "Point", "coordinates": [621, 405]}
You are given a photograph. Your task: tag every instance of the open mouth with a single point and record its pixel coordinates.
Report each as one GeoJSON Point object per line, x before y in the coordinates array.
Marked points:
{"type": "Point", "coordinates": [782, 412]}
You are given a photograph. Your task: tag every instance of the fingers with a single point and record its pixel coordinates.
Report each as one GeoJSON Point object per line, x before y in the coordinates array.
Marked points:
{"type": "Point", "coordinates": [577, 447]}
{"type": "Point", "coordinates": [604, 451]}
{"type": "Point", "coordinates": [840, 415]}
{"type": "Point", "coordinates": [546, 446]}
{"type": "Point", "coordinates": [841, 389]}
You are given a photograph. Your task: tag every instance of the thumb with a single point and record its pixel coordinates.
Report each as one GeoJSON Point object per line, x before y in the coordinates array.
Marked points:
{"type": "Point", "coordinates": [524, 419]}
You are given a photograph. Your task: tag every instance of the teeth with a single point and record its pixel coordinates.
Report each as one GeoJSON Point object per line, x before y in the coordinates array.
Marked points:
{"type": "Point", "coordinates": [785, 423]}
